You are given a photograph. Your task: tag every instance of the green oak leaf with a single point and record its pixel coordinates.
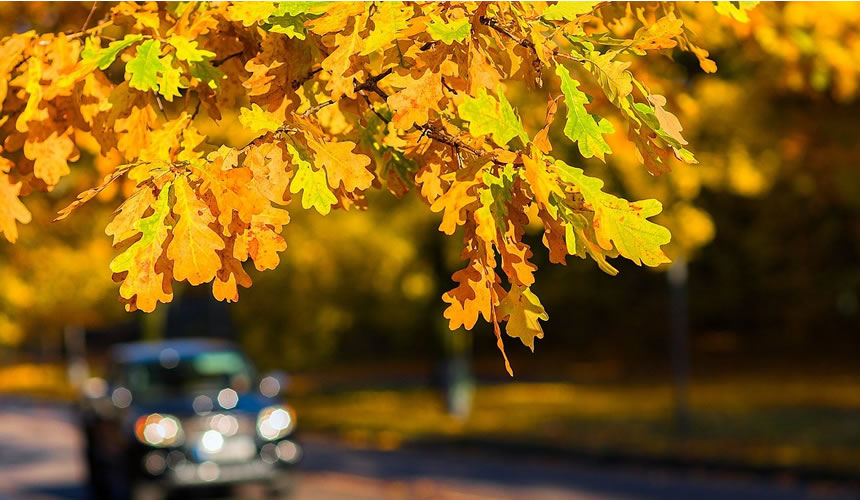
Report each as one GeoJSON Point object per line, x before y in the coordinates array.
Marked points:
{"type": "Point", "coordinates": [170, 82]}
{"type": "Point", "coordinates": [207, 73]}
{"type": "Point", "coordinates": [494, 202]}
{"type": "Point", "coordinates": [296, 8]}
{"type": "Point", "coordinates": [313, 182]}
{"type": "Point", "coordinates": [581, 127]}
{"type": "Point", "coordinates": [488, 116]}
{"type": "Point", "coordinates": [187, 50]}
{"type": "Point", "coordinates": [292, 26]}
{"type": "Point", "coordinates": [449, 32]}
{"type": "Point", "coordinates": [619, 221]}
{"type": "Point", "coordinates": [93, 53]}
{"type": "Point", "coordinates": [146, 66]}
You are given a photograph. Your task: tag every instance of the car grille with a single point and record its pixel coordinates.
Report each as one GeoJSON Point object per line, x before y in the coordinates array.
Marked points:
{"type": "Point", "coordinates": [220, 437]}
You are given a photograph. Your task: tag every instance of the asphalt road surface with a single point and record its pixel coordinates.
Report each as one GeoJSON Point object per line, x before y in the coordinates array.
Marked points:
{"type": "Point", "coordinates": [40, 460]}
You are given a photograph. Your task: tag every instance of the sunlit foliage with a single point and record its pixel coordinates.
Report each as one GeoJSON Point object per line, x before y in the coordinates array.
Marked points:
{"type": "Point", "coordinates": [338, 99]}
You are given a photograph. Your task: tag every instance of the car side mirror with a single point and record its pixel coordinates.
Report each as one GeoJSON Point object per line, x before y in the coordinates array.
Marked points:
{"type": "Point", "coordinates": [274, 383]}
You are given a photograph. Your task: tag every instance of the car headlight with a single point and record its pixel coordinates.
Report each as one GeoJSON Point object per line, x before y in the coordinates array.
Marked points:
{"type": "Point", "coordinates": [276, 422]}
{"type": "Point", "coordinates": [158, 430]}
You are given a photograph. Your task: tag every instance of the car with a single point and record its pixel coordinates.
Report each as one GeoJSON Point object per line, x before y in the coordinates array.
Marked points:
{"type": "Point", "coordinates": [185, 415]}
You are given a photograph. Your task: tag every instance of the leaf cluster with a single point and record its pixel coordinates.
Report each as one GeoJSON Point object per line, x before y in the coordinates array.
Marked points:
{"type": "Point", "coordinates": [341, 98]}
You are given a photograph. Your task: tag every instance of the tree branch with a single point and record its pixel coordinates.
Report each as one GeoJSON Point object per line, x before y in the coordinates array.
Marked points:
{"type": "Point", "coordinates": [301, 81]}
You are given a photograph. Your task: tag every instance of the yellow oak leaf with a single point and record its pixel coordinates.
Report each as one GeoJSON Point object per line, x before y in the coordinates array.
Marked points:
{"type": "Point", "coordinates": [542, 181]}
{"type": "Point", "coordinates": [11, 208]}
{"type": "Point", "coordinates": [336, 17]}
{"type": "Point", "coordinates": [389, 19]}
{"type": "Point", "coordinates": [270, 169]}
{"type": "Point", "coordinates": [121, 227]}
{"type": "Point", "coordinates": [250, 13]}
{"type": "Point", "coordinates": [669, 123]}
{"type": "Point", "coordinates": [259, 120]}
{"type": "Point", "coordinates": [341, 164]}
{"type": "Point", "coordinates": [11, 53]}
{"type": "Point", "coordinates": [523, 310]}
{"type": "Point", "coordinates": [163, 144]}
{"type": "Point", "coordinates": [660, 35]}
{"type": "Point", "coordinates": [457, 198]}
{"type": "Point", "coordinates": [194, 246]}
{"type": "Point", "coordinates": [50, 156]}
{"type": "Point", "coordinates": [34, 96]}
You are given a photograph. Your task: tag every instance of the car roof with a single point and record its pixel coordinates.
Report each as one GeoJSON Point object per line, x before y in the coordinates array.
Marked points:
{"type": "Point", "coordinates": [142, 352]}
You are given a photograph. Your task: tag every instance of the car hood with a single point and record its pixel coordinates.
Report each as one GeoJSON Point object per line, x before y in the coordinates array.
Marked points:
{"type": "Point", "coordinates": [183, 406]}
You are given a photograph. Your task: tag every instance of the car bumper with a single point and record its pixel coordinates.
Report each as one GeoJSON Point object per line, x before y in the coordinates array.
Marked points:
{"type": "Point", "coordinates": [211, 473]}
{"type": "Point", "coordinates": [177, 470]}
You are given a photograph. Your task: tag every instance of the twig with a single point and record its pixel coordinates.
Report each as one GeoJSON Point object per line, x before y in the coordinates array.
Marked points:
{"type": "Point", "coordinates": [221, 61]}
{"type": "Point", "coordinates": [448, 87]}
{"type": "Point", "coordinates": [196, 108]}
{"type": "Point", "coordinates": [89, 16]}
{"type": "Point", "coordinates": [370, 105]}
{"type": "Point", "coordinates": [102, 25]}
{"type": "Point", "coordinates": [372, 84]}
{"type": "Point", "coordinates": [161, 106]}
{"type": "Point", "coordinates": [314, 109]}
{"type": "Point", "coordinates": [522, 42]}
{"type": "Point", "coordinates": [494, 24]}
{"type": "Point", "coordinates": [444, 137]}
{"type": "Point", "coordinates": [301, 81]}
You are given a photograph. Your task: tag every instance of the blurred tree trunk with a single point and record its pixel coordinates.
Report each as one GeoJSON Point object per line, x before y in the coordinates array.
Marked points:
{"type": "Point", "coordinates": [679, 318]}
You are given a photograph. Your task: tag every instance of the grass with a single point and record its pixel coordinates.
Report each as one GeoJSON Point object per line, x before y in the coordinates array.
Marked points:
{"type": "Point", "coordinates": [758, 422]}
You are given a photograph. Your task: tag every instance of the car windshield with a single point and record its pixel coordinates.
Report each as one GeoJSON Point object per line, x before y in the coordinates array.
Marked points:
{"type": "Point", "coordinates": [202, 372]}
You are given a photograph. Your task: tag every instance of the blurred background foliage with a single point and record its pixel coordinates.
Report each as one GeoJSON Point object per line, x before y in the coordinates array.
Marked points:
{"type": "Point", "coordinates": [769, 222]}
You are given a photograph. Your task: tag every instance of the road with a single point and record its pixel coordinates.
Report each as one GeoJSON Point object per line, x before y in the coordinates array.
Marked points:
{"type": "Point", "coordinates": [40, 460]}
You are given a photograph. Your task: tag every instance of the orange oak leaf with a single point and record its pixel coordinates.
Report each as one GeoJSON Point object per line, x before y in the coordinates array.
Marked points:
{"type": "Point", "coordinates": [471, 297]}
{"type": "Point", "coordinates": [133, 131]}
{"type": "Point", "coordinates": [260, 81]}
{"type": "Point", "coordinates": [339, 62]}
{"type": "Point", "coordinates": [262, 240]}
{"type": "Point", "coordinates": [231, 274]}
{"type": "Point", "coordinates": [229, 185]}
{"type": "Point", "coordinates": [416, 99]}
{"type": "Point", "coordinates": [523, 310]}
